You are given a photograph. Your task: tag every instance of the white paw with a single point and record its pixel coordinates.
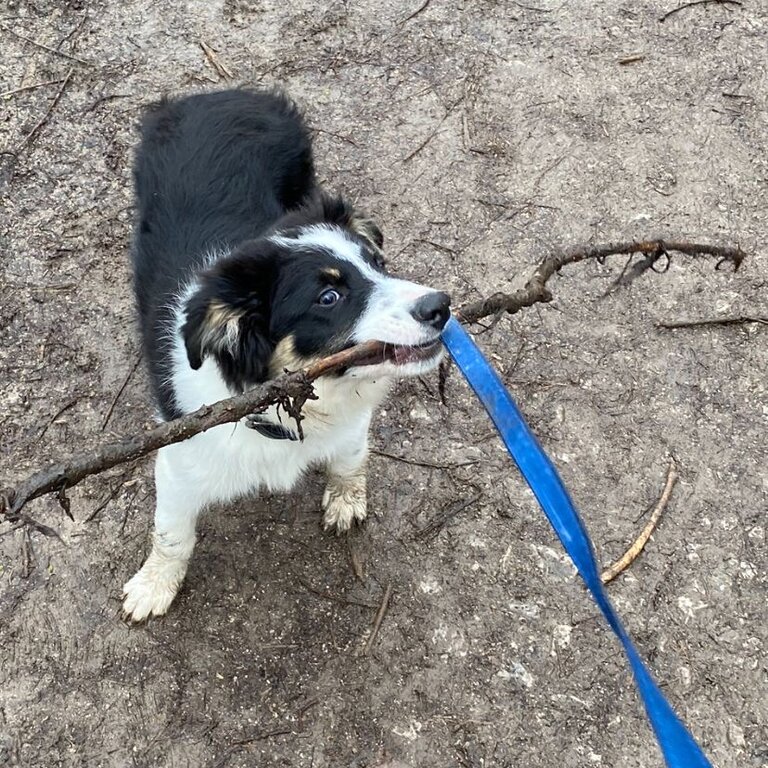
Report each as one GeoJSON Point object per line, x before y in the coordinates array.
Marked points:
{"type": "Point", "coordinates": [151, 591]}
{"type": "Point", "coordinates": [343, 502]}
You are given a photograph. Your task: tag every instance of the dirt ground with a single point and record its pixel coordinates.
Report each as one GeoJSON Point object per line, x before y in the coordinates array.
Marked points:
{"type": "Point", "coordinates": [482, 135]}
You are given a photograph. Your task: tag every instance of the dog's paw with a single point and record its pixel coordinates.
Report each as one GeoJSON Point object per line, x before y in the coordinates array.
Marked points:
{"type": "Point", "coordinates": [151, 591]}
{"type": "Point", "coordinates": [344, 501]}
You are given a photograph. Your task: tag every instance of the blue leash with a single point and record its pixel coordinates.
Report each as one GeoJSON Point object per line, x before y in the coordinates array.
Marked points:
{"type": "Point", "coordinates": [677, 745]}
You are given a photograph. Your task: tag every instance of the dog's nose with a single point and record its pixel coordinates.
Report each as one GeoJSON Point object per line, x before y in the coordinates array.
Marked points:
{"type": "Point", "coordinates": [433, 309]}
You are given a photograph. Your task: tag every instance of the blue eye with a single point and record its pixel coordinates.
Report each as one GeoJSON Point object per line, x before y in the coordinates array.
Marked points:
{"type": "Point", "coordinates": [328, 298]}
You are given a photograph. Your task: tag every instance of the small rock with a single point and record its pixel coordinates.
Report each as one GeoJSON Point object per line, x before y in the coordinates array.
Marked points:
{"type": "Point", "coordinates": [561, 636]}
{"type": "Point", "coordinates": [518, 673]}
{"type": "Point", "coordinates": [736, 736]}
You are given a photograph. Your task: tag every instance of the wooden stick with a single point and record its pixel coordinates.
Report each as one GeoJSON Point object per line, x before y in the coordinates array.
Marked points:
{"type": "Point", "coordinates": [382, 612]}
{"type": "Point", "coordinates": [44, 119]}
{"type": "Point", "coordinates": [536, 291]}
{"type": "Point", "coordinates": [295, 387]}
{"type": "Point", "coordinates": [30, 87]}
{"type": "Point", "coordinates": [222, 69]}
{"type": "Point", "coordinates": [621, 565]}
{"type": "Point", "coordinates": [742, 320]}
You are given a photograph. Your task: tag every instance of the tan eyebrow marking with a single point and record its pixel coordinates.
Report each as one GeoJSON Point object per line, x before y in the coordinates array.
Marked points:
{"type": "Point", "coordinates": [332, 273]}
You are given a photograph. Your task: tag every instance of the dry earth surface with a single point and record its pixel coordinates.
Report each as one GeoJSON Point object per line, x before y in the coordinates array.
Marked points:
{"type": "Point", "coordinates": [482, 135]}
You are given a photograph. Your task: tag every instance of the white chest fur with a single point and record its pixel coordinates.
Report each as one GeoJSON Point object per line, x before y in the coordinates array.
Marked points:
{"type": "Point", "coordinates": [232, 459]}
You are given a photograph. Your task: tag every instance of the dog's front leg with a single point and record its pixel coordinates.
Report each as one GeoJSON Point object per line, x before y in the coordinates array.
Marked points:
{"type": "Point", "coordinates": [179, 502]}
{"type": "Point", "coordinates": [345, 498]}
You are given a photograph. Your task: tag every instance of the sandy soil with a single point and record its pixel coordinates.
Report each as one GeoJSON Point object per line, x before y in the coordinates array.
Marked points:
{"type": "Point", "coordinates": [482, 135]}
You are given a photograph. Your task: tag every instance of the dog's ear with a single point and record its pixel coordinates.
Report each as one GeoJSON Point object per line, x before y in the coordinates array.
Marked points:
{"type": "Point", "coordinates": [368, 230]}
{"type": "Point", "coordinates": [323, 208]}
{"type": "Point", "coordinates": [228, 315]}
{"type": "Point", "coordinates": [339, 211]}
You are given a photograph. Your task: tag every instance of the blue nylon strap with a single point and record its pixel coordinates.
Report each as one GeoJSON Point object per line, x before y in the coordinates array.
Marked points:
{"type": "Point", "coordinates": [677, 745]}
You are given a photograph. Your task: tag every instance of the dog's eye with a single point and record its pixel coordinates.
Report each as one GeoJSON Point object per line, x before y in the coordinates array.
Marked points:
{"type": "Point", "coordinates": [328, 298]}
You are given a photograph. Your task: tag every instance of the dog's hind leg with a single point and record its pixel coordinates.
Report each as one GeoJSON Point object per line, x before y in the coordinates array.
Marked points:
{"type": "Point", "coordinates": [179, 502]}
{"type": "Point", "coordinates": [345, 497]}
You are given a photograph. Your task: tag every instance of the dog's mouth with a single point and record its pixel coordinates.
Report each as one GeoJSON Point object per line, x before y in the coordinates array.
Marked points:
{"type": "Point", "coordinates": [401, 355]}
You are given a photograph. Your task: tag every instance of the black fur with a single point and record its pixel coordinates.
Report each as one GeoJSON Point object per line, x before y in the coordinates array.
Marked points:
{"type": "Point", "coordinates": [218, 172]}
{"type": "Point", "coordinates": [241, 284]}
{"type": "Point", "coordinates": [273, 290]}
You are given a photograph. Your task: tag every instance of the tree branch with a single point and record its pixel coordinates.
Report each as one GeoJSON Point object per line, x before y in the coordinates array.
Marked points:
{"type": "Point", "coordinates": [536, 291]}
{"type": "Point", "coordinates": [292, 390]}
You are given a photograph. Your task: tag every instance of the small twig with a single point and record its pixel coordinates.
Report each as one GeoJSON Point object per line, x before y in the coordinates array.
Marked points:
{"type": "Point", "coordinates": [335, 135]}
{"type": "Point", "coordinates": [26, 520]}
{"type": "Point", "coordinates": [621, 565]}
{"type": "Point", "coordinates": [632, 270]}
{"type": "Point", "coordinates": [335, 598]}
{"type": "Point", "coordinates": [423, 462]}
{"type": "Point", "coordinates": [434, 526]}
{"type": "Point", "coordinates": [533, 8]}
{"type": "Point", "coordinates": [432, 133]}
{"type": "Point", "coordinates": [64, 503]}
{"type": "Point", "coordinates": [438, 246]}
{"type": "Point", "coordinates": [55, 416]}
{"type": "Point", "coordinates": [26, 553]}
{"type": "Point", "coordinates": [11, 530]}
{"type": "Point", "coordinates": [73, 34]}
{"type": "Point", "coordinates": [31, 87]}
{"type": "Point", "coordinates": [221, 68]}
{"type": "Point", "coordinates": [236, 745]}
{"type": "Point", "coordinates": [741, 320]}
{"type": "Point", "coordinates": [110, 496]}
{"type": "Point", "coordinates": [631, 59]}
{"type": "Point", "coordinates": [357, 563]}
{"type": "Point", "coordinates": [50, 50]}
{"type": "Point", "coordinates": [442, 380]}
{"type": "Point", "coordinates": [40, 288]}
{"type": "Point", "coordinates": [697, 2]}
{"type": "Point", "coordinates": [423, 7]}
{"type": "Point", "coordinates": [30, 137]}
{"type": "Point", "coordinates": [105, 98]}
{"type": "Point", "coordinates": [104, 503]}
{"type": "Point", "coordinates": [303, 711]}
{"type": "Point", "coordinates": [120, 392]}
{"type": "Point", "coordinates": [382, 612]}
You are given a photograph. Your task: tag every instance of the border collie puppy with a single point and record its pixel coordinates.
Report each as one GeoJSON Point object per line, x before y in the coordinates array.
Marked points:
{"type": "Point", "coordinates": [245, 268]}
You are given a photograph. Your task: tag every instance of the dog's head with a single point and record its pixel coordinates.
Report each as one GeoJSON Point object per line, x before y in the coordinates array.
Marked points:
{"type": "Point", "coordinates": [313, 287]}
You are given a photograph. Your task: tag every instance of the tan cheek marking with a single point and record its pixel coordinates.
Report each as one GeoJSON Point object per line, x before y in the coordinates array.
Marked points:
{"type": "Point", "coordinates": [220, 314]}
{"type": "Point", "coordinates": [285, 357]}
{"type": "Point", "coordinates": [222, 323]}
{"type": "Point", "coordinates": [363, 228]}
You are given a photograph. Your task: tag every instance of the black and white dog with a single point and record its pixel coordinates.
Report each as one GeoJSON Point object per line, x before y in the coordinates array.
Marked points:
{"type": "Point", "coordinates": [245, 268]}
